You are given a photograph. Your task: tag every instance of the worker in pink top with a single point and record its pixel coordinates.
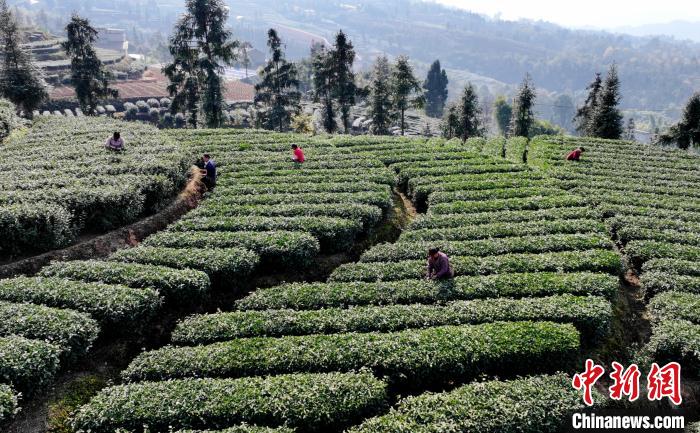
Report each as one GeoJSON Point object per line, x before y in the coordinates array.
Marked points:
{"type": "Point", "coordinates": [115, 142]}
{"type": "Point", "coordinates": [298, 156]}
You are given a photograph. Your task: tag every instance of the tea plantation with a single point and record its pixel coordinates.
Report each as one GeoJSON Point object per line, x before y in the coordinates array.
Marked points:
{"type": "Point", "coordinates": [543, 252]}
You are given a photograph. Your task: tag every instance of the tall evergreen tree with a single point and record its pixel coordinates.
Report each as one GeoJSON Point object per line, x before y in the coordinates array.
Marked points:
{"type": "Point", "coordinates": [405, 89]}
{"type": "Point", "coordinates": [523, 117]}
{"type": "Point", "coordinates": [435, 87]}
{"type": "Point", "coordinates": [20, 80]}
{"type": "Point", "coordinates": [88, 76]}
{"type": "Point", "coordinates": [607, 118]}
{"type": "Point", "coordinates": [201, 47]}
{"type": "Point", "coordinates": [686, 133]}
{"type": "Point", "coordinates": [503, 112]}
{"type": "Point", "coordinates": [380, 97]}
{"type": "Point", "coordinates": [278, 88]}
{"type": "Point", "coordinates": [469, 114]}
{"type": "Point", "coordinates": [450, 122]}
{"type": "Point", "coordinates": [584, 115]}
{"type": "Point", "coordinates": [344, 87]}
{"type": "Point", "coordinates": [631, 127]}
{"type": "Point", "coordinates": [324, 81]}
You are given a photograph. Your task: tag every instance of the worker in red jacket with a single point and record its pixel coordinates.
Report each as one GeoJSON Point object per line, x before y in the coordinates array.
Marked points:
{"type": "Point", "coordinates": [298, 154]}
{"type": "Point", "coordinates": [575, 155]}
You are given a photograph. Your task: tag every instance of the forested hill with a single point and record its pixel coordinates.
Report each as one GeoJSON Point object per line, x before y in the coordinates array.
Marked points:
{"type": "Point", "coordinates": [655, 72]}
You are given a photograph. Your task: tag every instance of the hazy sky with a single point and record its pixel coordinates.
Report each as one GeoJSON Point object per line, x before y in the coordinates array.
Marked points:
{"type": "Point", "coordinates": [583, 13]}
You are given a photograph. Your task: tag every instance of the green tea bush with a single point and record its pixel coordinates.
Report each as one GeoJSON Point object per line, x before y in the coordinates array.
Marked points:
{"type": "Point", "coordinates": [178, 285]}
{"type": "Point", "coordinates": [27, 227]}
{"type": "Point", "coordinates": [640, 252]}
{"type": "Point", "coordinates": [662, 281]}
{"type": "Point", "coordinates": [243, 429]}
{"type": "Point", "coordinates": [406, 250]}
{"type": "Point", "coordinates": [333, 234]}
{"type": "Point", "coordinates": [425, 355]}
{"type": "Point", "coordinates": [27, 365]}
{"type": "Point", "coordinates": [578, 261]}
{"type": "Point", "coordinates": [492, 194]}
{"type": "Point", "coordinates": [503, 216]}
{"type": "Point", "coordinates": [504, 230]}
{"type": "Point", "coordinates": [678, 341]}
{"type": "Point", "coordinates": [538, 404]}
{"type": "Point", "coordinates": [675, 306]}
{"type": "Point", "coordinates": [591, 315]}
{"type": "Point", "coordinates": [316, 402]}
{"type": "Point", "coordinates": [516, 149]}
{"type": "Point", "coordinates": [220, 262]}
{"type": "Point", "coordinates": [72, 331]}
{"type": "Point", "coordinates": [312, 296]}
{"type": "Point", "coordinates": [511, 204]}
{"type": "Point", "coordinates": [495, 147]}
{"type": "Point", "coordinates": [275, 247]}
{"type": "Point", "coordinates": [369, 215]}
{"type": "Point", "coordinates": [111, 305]}
{"type": "Point", "coordinates": [8, 403]}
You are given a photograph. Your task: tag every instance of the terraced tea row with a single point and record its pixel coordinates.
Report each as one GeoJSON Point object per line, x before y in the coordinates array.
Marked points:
{"type": "Point", "coordinates": [649, 198]}
{"type": "Point", "coordinates": [61, 181]}
{"type": "Point", "coordinates": [513, 308]}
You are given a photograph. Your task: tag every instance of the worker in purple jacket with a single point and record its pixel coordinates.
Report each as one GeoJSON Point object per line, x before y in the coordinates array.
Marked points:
{"type": "Point", "coordinates": [439, 265]}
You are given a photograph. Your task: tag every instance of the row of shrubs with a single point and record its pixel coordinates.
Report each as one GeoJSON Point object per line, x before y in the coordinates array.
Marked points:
{"type": "Point", "coordinates": [512, 204]}
{"type": "Point", "coordinates": [538, 404]}
{"type": "Point", "coordinates": [591, 315]}
{"type": "Point", "coordinates": [311, 296]}
{"type": "Point", "coordinates": [407, 250]}
{"type": "Point", "coordinates": [111, 305]}
{"type": "Point", "coordinates": [430, 355]}
{"type": "Point", "coordinates": [60, 181]}
{"type": "Point", "coordinates": [216, 262]}
{"type": "Point", "coordinates": [273, 247]}
{"type": "Point", "coordinates": [315, 402]}
{"type": "Point", "coordinates": [505, 230]}
{"type": "Point", "coordinates": [503, 216]}
{"type": "Point", "coordinates": [368, 215]}
{"type": "Point", "coordinates": [578, 261]}
{"type": "Point", "coordinates": [8, 403]}
{"type": "Point", "coordinates": [333, 234]}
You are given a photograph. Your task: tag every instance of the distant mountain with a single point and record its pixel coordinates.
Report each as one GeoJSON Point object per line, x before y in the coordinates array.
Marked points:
{"type": "Point", "coordinates": [657, 73]}
{"type": "Point", "coordinates": [682, 30]}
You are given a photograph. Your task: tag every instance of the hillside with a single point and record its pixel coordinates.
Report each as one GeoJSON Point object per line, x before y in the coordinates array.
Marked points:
{"type": "Point", "coordinates": [656, 73]}
{"type": "Point", "coordinates": [294, 296]}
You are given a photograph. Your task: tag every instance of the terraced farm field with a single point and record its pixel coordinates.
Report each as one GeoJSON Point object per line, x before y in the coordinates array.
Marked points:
{"type": "Point", "coordinates": [546, 256]}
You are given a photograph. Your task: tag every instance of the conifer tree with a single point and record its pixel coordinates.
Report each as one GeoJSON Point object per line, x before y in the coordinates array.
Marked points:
{"type": "Point", "coordinates": [469, 114]}
{"type": "Point", "coordinates": [323, 79]}
{"type": "Point", "coordinates": [380, 97]}
{"type": "Point", "coordinates": [503, 112]}
{"type": "Point", "coordinates": [584, 115]}
{"type": "Point", "coordinates": [201, 47]}
{"type": "Point", "coordinates": [406, 90]}
{"type": "Point", "coordinates": [344, 87]}
{"type": "Point", "coordinates": [607, 118]}
{"type": "Point", "coordinates": [435, 87]}
{"type": "Point", "coordinates": [686, 133]}
{"type": "Point", "coordinates": [523, 117]}
{"type": "Point", "coordinates": [278, 89]}
{"type": "Point", "coordinates": [20, 80]}
{"type": "Point", "coordinates": [450, 122]}
{"type": "Point", "coordinates": [88, 76]}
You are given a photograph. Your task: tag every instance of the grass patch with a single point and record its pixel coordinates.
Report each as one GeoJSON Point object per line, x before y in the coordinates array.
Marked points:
{"type": "Point", "coordinates": [76, 394]}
